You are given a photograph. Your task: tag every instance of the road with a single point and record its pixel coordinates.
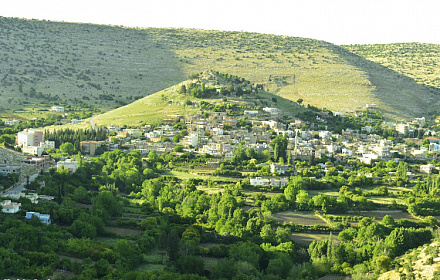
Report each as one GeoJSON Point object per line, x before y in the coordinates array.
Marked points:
{"type": "Point", "coordinates": [92, 121]}
{"type": "Point", "coordinates": [20, 187]}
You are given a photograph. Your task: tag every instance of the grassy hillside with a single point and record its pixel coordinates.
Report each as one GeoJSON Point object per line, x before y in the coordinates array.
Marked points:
{"type": "Point", "coordinates": [154, 108]}
{"type": "Point", "coordinates": [45, 62]}
{"type": "Point", "coordinates": [421, 263]}
{"type": "Point", "coordinates": [415, 60]}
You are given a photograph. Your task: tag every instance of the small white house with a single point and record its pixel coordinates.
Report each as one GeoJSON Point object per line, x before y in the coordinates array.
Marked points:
{"type": "Point", "coordinates": [279, 168]}
{"type": "Point", "coordinates": [250, 113]}
{"type": "Point", "coordinates": [57, 109]}
{"type": "Point", "coordinates": [258, 181]}
{"type": "Point", "coordinates": [278, 182]}
{"type": "Point", "coordinates": [12, 122]}
{"type": "Point", "coordinates": [427, 168]}
{"type": "Point", "coordinates": [76, 121]}
{"type": "Point", "coordinates": [10, 207]}
{"type": "Point", "coordinates": [68, 164]}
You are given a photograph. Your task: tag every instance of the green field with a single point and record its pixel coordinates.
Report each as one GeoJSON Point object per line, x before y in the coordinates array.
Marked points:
{"type": "Point", "coordinates": [378, 215]}
{"type": "Point", "coordinates": [185, 176]}
{"type": "Point", "coordinates": [298, 218]}
{"type": "Point", "coordinates": [307, 238]}
{"type": "Point", "coordinates": [125, 231]}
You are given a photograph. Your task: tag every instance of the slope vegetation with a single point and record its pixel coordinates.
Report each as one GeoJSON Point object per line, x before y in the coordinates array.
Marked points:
{"type": "Point", "coordinates": [208, 90]}
{"type": "Point", "coordinates": [44, 63]}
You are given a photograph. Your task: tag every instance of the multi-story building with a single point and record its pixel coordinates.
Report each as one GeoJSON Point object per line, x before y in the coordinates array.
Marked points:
{"type": "Point", "coordinates": [30, 137]}
{"type": "Point", "coordinates": [89, 147]}
{"type": "Point", "coordinates": [191, 140]}
{"type": "Point", "coordinates": [5, 168]}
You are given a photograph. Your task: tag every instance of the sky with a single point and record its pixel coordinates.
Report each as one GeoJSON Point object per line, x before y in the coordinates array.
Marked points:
{"type": "Point", "coordinates": [337, 21]}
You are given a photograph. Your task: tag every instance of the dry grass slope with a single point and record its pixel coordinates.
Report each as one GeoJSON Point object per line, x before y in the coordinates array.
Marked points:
{"type": "Point", "coordinates": [45, 62]}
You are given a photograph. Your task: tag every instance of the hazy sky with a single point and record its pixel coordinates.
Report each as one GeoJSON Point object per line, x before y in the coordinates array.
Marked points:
{"type": "Point", "coordinates": [336, 21]}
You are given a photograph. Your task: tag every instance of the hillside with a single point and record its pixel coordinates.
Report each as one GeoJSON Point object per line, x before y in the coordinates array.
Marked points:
{"type": "Point", "coordinates": [415, 60]}
{"type": "Point", "coordinates": [44, 63]}
{"type": "Point", "coordinates": [421, 263]}
{"type": "Point", "coordinates": [207, 90]}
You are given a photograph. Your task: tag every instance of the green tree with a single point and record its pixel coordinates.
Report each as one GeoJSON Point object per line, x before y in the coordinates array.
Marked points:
{"type": "Point", "coordinates": [388, 221]}
{"type": "Point", "coordinates": [67, 148]}
{"type": "Point", "coordinates": [107, 204]}
{"type": "Point", "coordinates": [279, 146]}
{"type": "Point", "coordinates": [402, 168]}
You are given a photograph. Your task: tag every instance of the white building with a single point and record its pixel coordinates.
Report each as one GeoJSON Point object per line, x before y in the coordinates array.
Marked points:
{"type": "Point", "coordinates": [191, 140]}
{"type": "Point", "coordinates": [57, 109]}
{"type": "Point", "coordinates": [420, 121]}
{"type": "Point", "coordinates": [46, 145]}
{"type": "Point", "coordinates": [217, 131]}
{"type": "Point", "coordinates": [250, 113]}
{"type": "Point", "coordinates": [10, 207]}
{"type": "Point", "coordinates": [271, 124]}
{"type": "Point", "coordinates": [68, 164]}
{"type": "Point", "coordinates": [272, 111]}
{"type": "Point", "coordinates": [30, 137]}
{"type": "Point", "coordinates": [279, 168]}
{"type": "Point", "coordinates": [32, 150]}
{"type": "Point", "coordinates": [76, 121]}
{"type": "Point", "coordinates": [13, 122]}
{"type": "Point", "coordinates": [426, 168]}
{"type": "Point", "coordinates": [325, 134]}
{"type": "Point", "coordinates": [258, 181]}
{"type": "Point", "coordinates": [402, 128]}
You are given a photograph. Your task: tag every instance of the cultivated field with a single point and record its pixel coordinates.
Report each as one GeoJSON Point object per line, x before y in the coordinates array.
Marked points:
{"type": "Point", "coordinates": [378, 215]}
{"type": "Point", "coordinates": [125, 231]}
{"type": "Point", "coordinates": [298, 218]}
{"type": "Point", "coordinates": [307, 238]}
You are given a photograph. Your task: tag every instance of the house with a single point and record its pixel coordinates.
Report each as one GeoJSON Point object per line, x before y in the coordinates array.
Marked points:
{"type": "Point", "coordinates": [279, 168]}
{"type": "Point", "coordinates": [278, 182]}
{"type": "Point", "coordinates": [271, 124]}
{"type": "Point", "coordinates": [191, 140]}
{"type": "Point", "coordinates": [68, 164]}
{"type": "Point", "coordinates": [30, 137]}
{"type": "Point", "coordinates": [250, 113]}
{"type": "Point", "coordinates": [402, 128]}
{"type": "Point", "coordinates": [258, 181]}
{"type": "Point", "coordinates": [32, 150]}
{"type": "Point", "coordinates": [272, 111]}
{"type": "Point", "coordinates": [44, 218]}
{"type": "Point", "coordinates": [10, 168]}
{"type": "Point", "coordinates": [230, 121]}
{"type": "Point", "coordinates": [57, 109]}
{"type": "Point", "coordinates": [39, 162]}
{"type": "Point", "coordinates": [76, 121]}
{"type": "Point", "coordinates": [10, 207]}
{"type": "Point", "coordinates": [427, 168]}
{"type": "Point", "coordinates": [89, 147]}
{"type": "Point", "coordinates": [13, 122]}
{"type": "Point", "coordinates": [420, 121]}
{"type": "Point", "coordinates": [171, 119]}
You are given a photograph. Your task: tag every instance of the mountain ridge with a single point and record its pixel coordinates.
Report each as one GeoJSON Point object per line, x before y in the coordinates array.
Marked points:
{"type": "Point", "coordinates": [48, 63]}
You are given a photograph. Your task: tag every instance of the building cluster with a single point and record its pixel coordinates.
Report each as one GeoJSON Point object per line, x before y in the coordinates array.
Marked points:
{"type": "Point", "coordinates": [31, 142]}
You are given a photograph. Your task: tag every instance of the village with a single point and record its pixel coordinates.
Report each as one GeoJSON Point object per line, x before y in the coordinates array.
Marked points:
{"type": "Point", "coordinates": [217, 134]}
